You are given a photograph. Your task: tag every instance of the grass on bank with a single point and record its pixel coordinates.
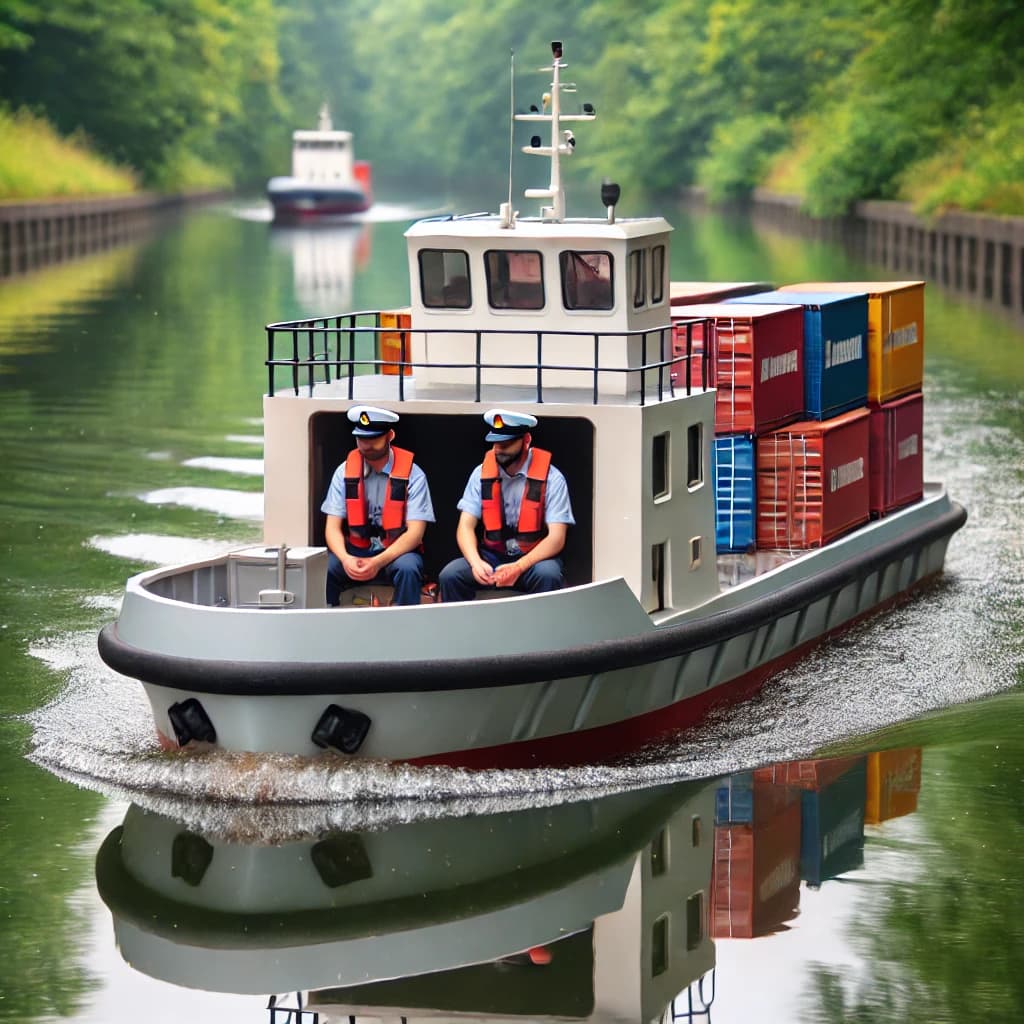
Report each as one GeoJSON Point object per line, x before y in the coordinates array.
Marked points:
{"type": "Point", "coordinates": [36, 163]}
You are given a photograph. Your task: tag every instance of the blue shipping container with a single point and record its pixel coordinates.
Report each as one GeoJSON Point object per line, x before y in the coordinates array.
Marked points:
{"type": "Point", "coordinates": [732, 473]}
{"type": "Point", "coordinates": [734, 800]}
{"type": "Point", "coordinates": [832, 826]}
{"type": "Point", "coordinates": [835, 348]}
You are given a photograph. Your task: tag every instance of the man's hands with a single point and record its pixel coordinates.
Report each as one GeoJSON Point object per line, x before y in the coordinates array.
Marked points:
{"type": "Point", "coordinates": [360, 567]}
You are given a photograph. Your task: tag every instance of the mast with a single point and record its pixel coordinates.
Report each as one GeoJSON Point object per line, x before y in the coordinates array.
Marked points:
{"type": "Point", "coordinates": [563, 142]}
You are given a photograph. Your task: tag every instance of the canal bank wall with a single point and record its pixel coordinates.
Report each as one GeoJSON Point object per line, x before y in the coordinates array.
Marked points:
{"type": "Point", "coordinates": [38, 233]}
{"type": "Point", "coordinates": [974, 255]}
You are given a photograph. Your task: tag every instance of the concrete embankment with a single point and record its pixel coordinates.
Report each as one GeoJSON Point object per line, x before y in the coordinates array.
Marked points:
{"type": "Point", "coordinates": [36, 233]}
{"type": "Point", "coordinates": [977, 255]}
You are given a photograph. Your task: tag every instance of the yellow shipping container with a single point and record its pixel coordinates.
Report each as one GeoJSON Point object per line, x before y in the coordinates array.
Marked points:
{"type": "Point", "coordinates": [895, 332]}
{"type": "Point", "coordinates": [893, 782]}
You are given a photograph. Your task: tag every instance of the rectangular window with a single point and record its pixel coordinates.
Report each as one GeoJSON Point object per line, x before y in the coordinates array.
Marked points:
{"type": "Point", "coordinates": [444, 279]}
{"type": "Point", "coordinates": [694, 920]}
{"type": "Point", "coordinates": [658, 574]}
{"type": "Point", "coordinates": [637, 281]}
{"type": "Point", "coordinates": [657, 274]}
{"type": "Point", "coordinates": [660, 466]}
{"type": "Point", "coordinates": [659, 946]}
{"type": "Point", "coordinates": [659, 853]}
{"type": "Point", "coordinates": [695, 455]}
{"type": "Point", "coordinates": [515, 280]}
{"type": "Point", "coordinates": [695, 830]}
{"type": "Point", "coordinates": [696, 552]}
{"type": "Point", "coordinates": [586, 279]}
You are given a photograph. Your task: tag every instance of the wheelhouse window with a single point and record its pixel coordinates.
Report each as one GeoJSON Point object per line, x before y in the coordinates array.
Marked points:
{"type": "Point", "coordinates": [657, 274]}
{"type": "Point", "coordinates": [586, 279]}
{"type": "Point", "coordinates": [515, 279]}
{"type": "Point", "coordinates": [444, 279]}
{"type": "Point", "coordinates": [637, 281]}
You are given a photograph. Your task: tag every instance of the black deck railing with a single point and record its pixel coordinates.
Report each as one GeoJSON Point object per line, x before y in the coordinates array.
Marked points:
{"type": "Point", "coordinates": [330, 349]}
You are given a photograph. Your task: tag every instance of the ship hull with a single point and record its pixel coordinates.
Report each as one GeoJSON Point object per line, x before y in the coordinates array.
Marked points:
{"type": "Point", "coordinates": [612, 688]}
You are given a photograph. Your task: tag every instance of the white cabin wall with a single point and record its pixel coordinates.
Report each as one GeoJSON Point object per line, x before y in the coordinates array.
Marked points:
{"type": "Point", "coordinates": [687, 873]}
{"type": "Point", "coordinates": [287, 506]}
{"type": "Point", "coordinates": [322, 165]}
{"type": "Point", "coordinates": [686, 513]}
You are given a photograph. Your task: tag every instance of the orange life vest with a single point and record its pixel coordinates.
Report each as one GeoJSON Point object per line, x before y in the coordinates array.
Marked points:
{"type": "Point", "coordinates": [530, 528]}
{"type": "Point", "coordinates": [357, 527]}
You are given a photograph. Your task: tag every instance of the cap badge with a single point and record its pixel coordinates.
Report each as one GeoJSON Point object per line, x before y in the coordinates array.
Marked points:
{"type": "Point", "coordinates": [364, 420]}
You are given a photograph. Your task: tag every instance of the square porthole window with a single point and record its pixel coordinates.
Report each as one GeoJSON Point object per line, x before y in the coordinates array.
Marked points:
{"type": "Point", "coordinates": [661, 454]}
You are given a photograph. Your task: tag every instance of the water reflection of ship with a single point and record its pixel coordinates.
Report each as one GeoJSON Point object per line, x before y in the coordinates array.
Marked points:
{"type": "Point", "coordinates": [325, 258]}
{"type": "Point", "coordinates": [589, 911]}
{"type": "Point", "coordinates": [799, 821]}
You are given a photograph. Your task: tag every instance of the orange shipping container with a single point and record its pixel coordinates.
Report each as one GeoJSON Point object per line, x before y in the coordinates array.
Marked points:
{"type": "Point", "coordinates": [895, 333]}
{"type": "Point", "coordinates": [894, 780]}
{"type": "Point", "coordinates": [394, 345]}
{"type": "Point", "coordinates": [813, 481]}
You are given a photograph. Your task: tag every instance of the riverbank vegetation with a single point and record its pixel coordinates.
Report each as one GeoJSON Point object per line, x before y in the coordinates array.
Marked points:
{"type": "Point", "coordinates": [920, 100]}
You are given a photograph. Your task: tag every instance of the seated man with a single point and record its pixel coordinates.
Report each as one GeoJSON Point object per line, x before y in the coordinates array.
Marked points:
{"type": "Point", "coordinates": [523, 503]}
{"type": "Point", "coordinates": [378, 507]}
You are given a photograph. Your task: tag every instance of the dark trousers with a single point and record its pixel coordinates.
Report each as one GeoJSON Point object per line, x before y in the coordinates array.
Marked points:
{"type": "Point", "coordinates": [458, 583]}
{"type": "Point", "coordinates": [405, 574]}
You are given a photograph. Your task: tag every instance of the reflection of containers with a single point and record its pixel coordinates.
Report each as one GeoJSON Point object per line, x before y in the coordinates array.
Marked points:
{"type": "Point", "coordinates": [745, 798]}
{"type": "Point", "coordinates": [835, 348]}
{"type": "Point", "coordinates": [832, 826]}
{"type": "Point", "coordinates": [814, 774]}
{"type": "Point", "coordinates": [895, 332]}
{"type": "Point", "coordinates": [756, 880]}
{"type": "Point", "coordinates": [893, 782]}
{"type": "Point", "coordinates": [733, 474]}
{"type": "Point", "coordinates": [897, 453]}
{"type": "Point", "coordinates": [812, 481]}
{"type": "Point", "coordinates": [758, 365]}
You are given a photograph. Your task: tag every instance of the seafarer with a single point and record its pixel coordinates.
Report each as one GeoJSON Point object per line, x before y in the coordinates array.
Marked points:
{"type": "Point", "coordinates": [523, 503]}
{"type": "Point", "coordinates": [378, 507]}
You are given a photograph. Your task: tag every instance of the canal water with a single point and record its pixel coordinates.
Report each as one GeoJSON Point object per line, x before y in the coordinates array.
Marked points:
{"type": "Point", "coordinates": [844, 847]}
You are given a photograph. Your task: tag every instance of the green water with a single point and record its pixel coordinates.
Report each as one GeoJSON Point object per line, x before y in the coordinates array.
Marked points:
{"type": "Point", "coordinates": [117, 370]}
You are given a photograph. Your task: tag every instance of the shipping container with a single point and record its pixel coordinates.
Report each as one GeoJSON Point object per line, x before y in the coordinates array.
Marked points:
{"type": "Point", "coordinates": [813, 481]}
{"type": "Point", "coordinates": [810, 774]}
{"type": "Point", "coordinates": [746, 799]}
{"type": "Point", "coordinates": [693, 344]}
{"type": "Point", "coordinates": [896, 455]}
{"type": "Point", "coordinates": [893, 782]}
{"type": "Point", "coordinates": [835, 348]}
{"type": "Point", "coordinates": [732, 471]}
{"type": "Point", "coordinates": [755, 882]}
{"type": "Point", "coordinates": [832, 826]}
{"type": "Point", "coordinates": [757, 357]}
{"type": "Point", "coordinates": [686, 293]}
{"type": "Point", "coordinates": [895, 333]}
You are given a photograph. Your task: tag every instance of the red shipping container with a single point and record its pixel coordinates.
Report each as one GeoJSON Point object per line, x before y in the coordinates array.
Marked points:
{"type": "Point", "coordinates": [758, 365]}
{"type": "Point", "coordinates": [686, 293]}
{"type": "Point", "coordinates": [810, 775]}
{"type": "Point", "coordinates": [755, 879]}
{"type": "Point", "coordinates": [894, 780]}
{"type": "Point", "coordinates": [694, 341]}
{"type": "Point", "coordinates": [896, 453]}
{"type": "Point", "coordinates": [813, 481]}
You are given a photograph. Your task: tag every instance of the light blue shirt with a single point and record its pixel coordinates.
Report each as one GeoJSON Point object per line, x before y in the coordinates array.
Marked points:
{"type": "Point", "coordinates": [557, 508]}
{"type": "Point", "coordinates": [418, 505]}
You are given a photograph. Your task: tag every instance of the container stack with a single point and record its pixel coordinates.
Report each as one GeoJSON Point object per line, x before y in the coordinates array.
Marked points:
{"type": "Point", "coordinates": [796, 474]}
{"type": "Point", "coordinates": [895, 352]}
{"type": "Point", "coordinates": [755, 354]}
{"type": "Point", "coordinates": [755, 886]}
{"type": "Point", "coordinates": [832, 826]}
